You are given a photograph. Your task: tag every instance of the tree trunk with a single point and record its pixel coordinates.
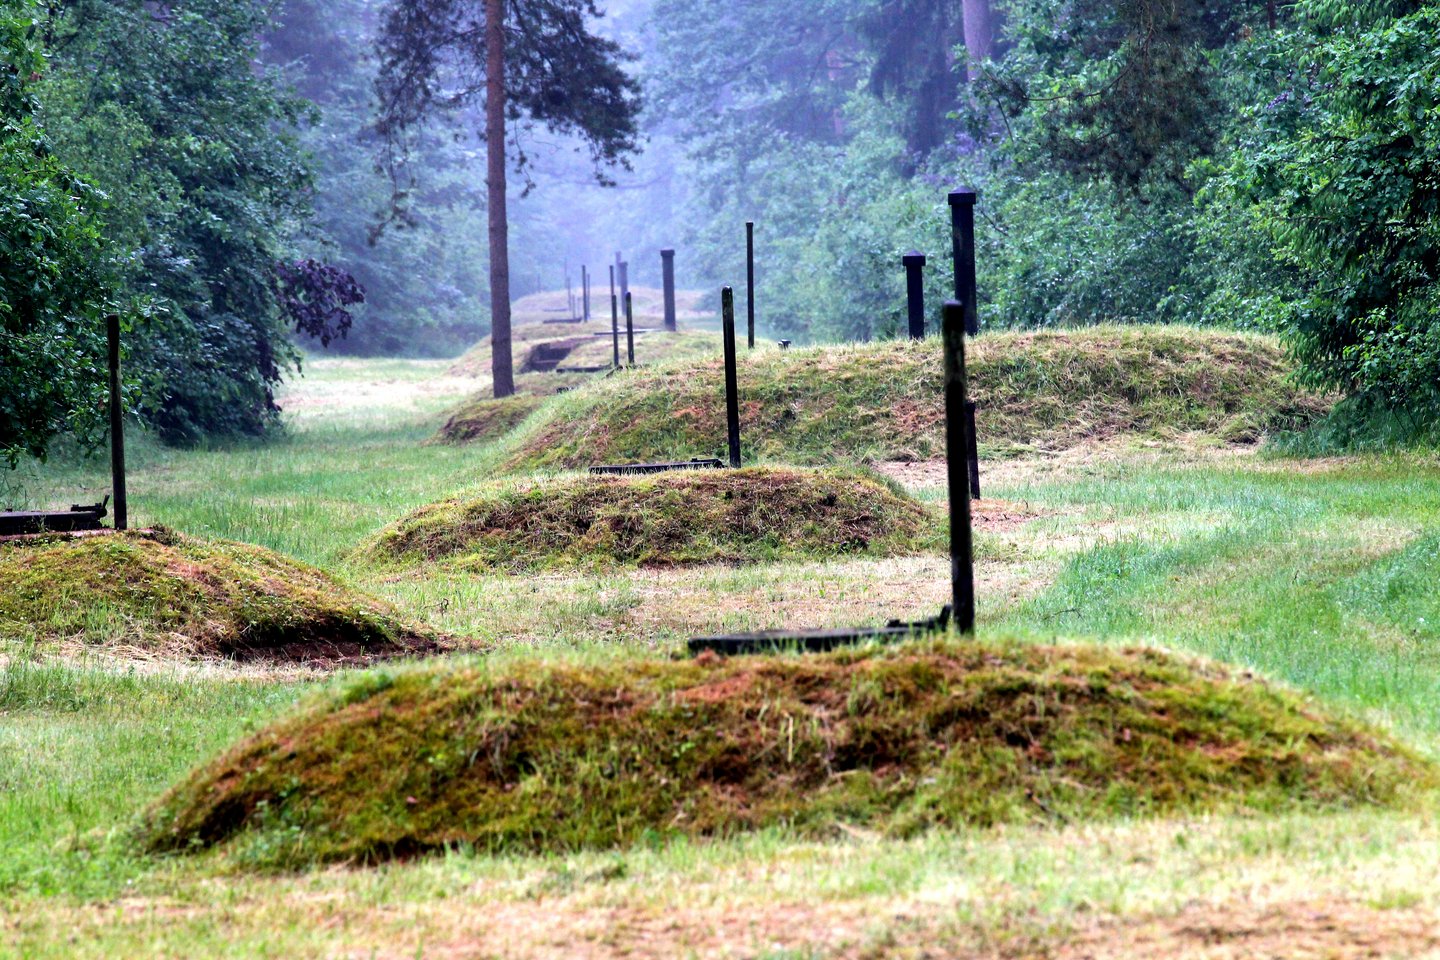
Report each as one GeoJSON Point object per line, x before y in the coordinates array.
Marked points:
{"type": "Point", "coordinates": [501, 364]}
{"type": "Point", "coordinates": [979, 34]}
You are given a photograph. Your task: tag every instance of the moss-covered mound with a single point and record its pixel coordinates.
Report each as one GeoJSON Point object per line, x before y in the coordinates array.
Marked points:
{"type": "Point", "coordinates": [883, 401]}
{"type": "Point", "coordinates": [484, 417]}
{"type": "Point", "coordinates": [564, 757]}
{"type": "Point", "coordinates": [160, 591]}
{"type": "Point", "coordinates": [687, 517]}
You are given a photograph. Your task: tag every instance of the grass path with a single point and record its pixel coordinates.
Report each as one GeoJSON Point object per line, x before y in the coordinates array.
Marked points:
{"type": "Point", "coordinates": [1318, 573]}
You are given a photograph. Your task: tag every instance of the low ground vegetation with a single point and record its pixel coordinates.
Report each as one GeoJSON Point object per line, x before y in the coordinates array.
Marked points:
{"type": "Point", "coordinates": [160, 592]}
{"type": "Point", "coordinates": [896, 740]}
{"type": "Point", "coordinates": [882, 401]}
{"type": "Point", "coordinates": [1311, 579]}
{"type": "Point", "coordinates": [671, 519]}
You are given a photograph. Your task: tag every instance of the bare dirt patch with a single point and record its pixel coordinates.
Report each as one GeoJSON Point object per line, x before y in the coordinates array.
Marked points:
{"type": "Point", "coordinates": [1304, 930]}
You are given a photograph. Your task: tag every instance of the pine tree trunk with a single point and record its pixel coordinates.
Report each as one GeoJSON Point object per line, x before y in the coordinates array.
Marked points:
{"type": "Point", "coordinates": [979, 34]}
{"type": "Point", "coordinates": [502, 364]}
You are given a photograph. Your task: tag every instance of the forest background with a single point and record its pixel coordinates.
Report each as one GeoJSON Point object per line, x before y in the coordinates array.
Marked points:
{"type": "Point", "coordinates": [210, 170]}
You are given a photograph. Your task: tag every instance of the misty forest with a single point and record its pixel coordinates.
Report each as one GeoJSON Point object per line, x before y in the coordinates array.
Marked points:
{"type": "Point", "coordinates": [773, 479]}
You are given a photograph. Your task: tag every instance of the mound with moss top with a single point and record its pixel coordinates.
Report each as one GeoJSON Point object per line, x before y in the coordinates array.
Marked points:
{"type": "Point", "coordinates": [483, 417]}
{"type": "Point", "coordinates": [664, 520]}
{"type": "Point", "coordinates": [560, 757]}
{"type": "Point", "coordinates": [883, 401]}
{"type": "Point", "coordinates": [159, 591]}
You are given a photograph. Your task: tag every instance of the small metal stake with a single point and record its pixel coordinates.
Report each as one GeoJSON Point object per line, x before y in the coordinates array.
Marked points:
{"type": "Point", "coordinates": [615, 318]}
{"type": "Point", "coordinates": [962, 232]}
{"type": "Point", "coordinates": [957, 448]}
{"type": "Point", "coordinates": [732, 389]}
{"type": "Point", "coordinates": [914, 262]}
{"type": "Point", "coordinates": [667, 265]}
{"type": "Point", "coordinates": [117, 426]}
{"type": "Point", "coordinates": [585, 289]}
{"type": "Point", "coordinates": [750, 281]}
{"type": "Point", "coordinates": [630, 327]}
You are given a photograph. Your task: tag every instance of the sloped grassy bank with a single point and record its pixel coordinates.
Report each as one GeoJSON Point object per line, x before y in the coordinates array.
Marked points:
{"type": "Point", "coordinates": [666, 520]}
{"type": "Point", "coordinates": [162, 591]}
{"type": "Point", "coordinates": [483, 417]}
{"type": "Point", "coordinates": [883, 401]}
{"type": "Point", "coordinates": [558, 757]}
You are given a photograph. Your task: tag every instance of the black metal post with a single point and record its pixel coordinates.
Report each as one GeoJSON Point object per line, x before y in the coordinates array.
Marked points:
{"type": "Point", "coordinates": [585, 289]}
{"type": "Point", "coordinates": [914, 262]}
{"type": "Point", "coordinates": [962, 231]}
{"type": "Point", "coordinates": [615, 318]}
{"type": "Point", "coordinates": [973, 451]}
{"type": "Point", "coordinates": [117, 427]}
{"type": "Point", "coordinates": [957, 446]}
{"type": "Point", "coordinates": [732, 389]}
{"type": "Point", "coordinates": [630, 327]}
{"type": "Point", "coordinates": [667, 268]}
{"type": "Point", "coordinates": [750, 281]}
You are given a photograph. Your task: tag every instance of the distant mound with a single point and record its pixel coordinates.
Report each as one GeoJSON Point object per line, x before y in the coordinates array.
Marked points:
{"type": "Point", "coordinates": [883, 401]}
{"type": "Point", "coordinates": [485, 418]}
{"type": "Point", "coordinates": [537, 336]}
{"type": "Point", "coordinates": [162, 592]}
{"type": "Point", "coordinates": [666, 520]}
{"type": "Point", "coordinates": [555, 757]}
{"type": "Point", "coordinates": [568, 363]}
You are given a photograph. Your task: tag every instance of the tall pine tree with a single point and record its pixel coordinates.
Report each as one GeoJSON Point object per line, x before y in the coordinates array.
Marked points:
{"type": "Point", "coordinates": [532, 63]}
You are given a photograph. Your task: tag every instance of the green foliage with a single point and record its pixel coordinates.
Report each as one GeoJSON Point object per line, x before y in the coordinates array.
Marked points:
{"type": "Point", "coordinates": [426, 287]}
{"type": "Point", "coordinates": [54, 274]}
{"type": "Point", "coordinates": [1344, 172]}
{"type": "Point", "coordinates": [164, 110]}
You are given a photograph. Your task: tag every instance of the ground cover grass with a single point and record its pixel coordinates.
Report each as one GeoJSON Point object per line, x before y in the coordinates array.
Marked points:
{"type": "Point", "coordinates": [882, 401]}
{"type": "Point", "coordinates": [896, 739]}
{"type": "Point", "coordinates": [81, 743]}
{"type": "Point", "coordinates": [1127, 542]}
{"type": "Point", "coordinates": [673, 519]}
{"type": "Point", "coordinates": [161, 592]}
{"type": "Point", "coordinates": [483, 417]}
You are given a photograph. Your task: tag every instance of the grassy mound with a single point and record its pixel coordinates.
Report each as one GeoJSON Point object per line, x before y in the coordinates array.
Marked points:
{"type": "Point", "coordinates": [564, 757]}
{"type": "Point", "coordinates": [163, 591]}
{"type": "Point", "coordinates": [484, 417]}
{"type": "Point", "coordinates": [883, 401]}
{"type": "Point", "coordinates": [671, 519]}
{"type": "Point", "coordinates": [530, 331]}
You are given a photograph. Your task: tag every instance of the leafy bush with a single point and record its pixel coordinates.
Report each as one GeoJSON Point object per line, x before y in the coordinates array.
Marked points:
{"type": "Point", "coordinates": [53, 272]}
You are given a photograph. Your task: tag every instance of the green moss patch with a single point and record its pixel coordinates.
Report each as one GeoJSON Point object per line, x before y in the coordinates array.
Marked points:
{"type": "Point", "coordinates": [686, 517]}
{"type": "Point", "coordinates": [883, 401]}
{"type": "Point", "coordinates": [559, 757]}
{"type": "Point", "coordinates": [163, 592]}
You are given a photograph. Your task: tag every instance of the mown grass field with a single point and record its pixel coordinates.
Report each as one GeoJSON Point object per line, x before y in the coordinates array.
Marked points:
{"type": "Point", "coordinates": [1317, 574]}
